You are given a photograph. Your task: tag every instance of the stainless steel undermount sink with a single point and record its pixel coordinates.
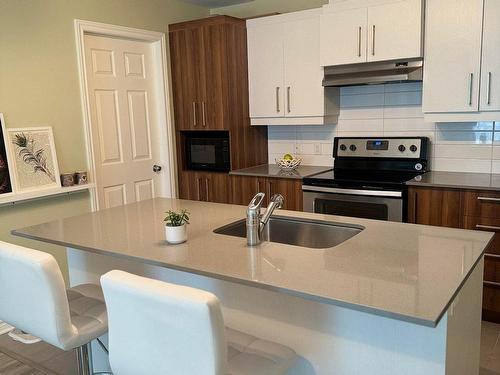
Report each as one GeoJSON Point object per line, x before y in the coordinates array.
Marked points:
{"type": "Point", "coordinates": [298, 232]}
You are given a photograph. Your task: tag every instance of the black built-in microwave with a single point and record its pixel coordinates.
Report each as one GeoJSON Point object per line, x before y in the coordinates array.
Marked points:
{"type": "Point", "coordinates": [207, 150]}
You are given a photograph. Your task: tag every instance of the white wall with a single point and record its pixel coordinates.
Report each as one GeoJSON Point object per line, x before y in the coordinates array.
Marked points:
{"type": "Point", "coordinates": [393, 110]}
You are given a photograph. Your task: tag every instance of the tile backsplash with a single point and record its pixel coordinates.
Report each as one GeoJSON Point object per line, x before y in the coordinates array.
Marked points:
{"type": "Point", "coordinates": [393, 110]}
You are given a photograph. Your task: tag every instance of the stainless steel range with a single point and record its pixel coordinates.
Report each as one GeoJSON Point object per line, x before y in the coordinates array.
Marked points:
{"type": "Point", "coordinates": [368, 179]}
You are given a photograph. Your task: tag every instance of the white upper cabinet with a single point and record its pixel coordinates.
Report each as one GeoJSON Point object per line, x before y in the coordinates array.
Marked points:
{"type": "Point", "coordinates": [266, 70]}
{"type": "Point", "coordinates": [395, 31]}
{"type": "Point", "coordinates": [344, 37]}
{"type": "Point", "coordinates": [304, 93]}
{"type": "Point", "coordinates": [452, 63]}
{"type": "Point", "coordinates": [285, 76]}
{"type": "Point", "coordinates": [385, 30]}
{"type": "Point", "coordinates": [490, 68]}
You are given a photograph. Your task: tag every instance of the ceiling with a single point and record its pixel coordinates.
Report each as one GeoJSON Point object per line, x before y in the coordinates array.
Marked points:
{"type": "Point", "coordinates": [216, 3]}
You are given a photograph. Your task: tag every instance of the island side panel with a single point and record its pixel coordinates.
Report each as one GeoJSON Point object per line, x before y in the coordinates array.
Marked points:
{"type": "Point", "coordinates": [464, 326]}
{"type": "Point", "coordinates": [328, 339]}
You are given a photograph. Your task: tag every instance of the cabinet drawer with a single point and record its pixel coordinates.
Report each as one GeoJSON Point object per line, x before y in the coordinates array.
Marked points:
{"type": "Point", "coordinates": [492, 269]}
{"type": "Point", "coordinates": [482, 204]}
{"type": "Point", "coordinates": [487, 225]}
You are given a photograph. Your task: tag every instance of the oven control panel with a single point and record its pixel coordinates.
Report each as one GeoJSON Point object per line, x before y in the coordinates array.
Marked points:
{"type": "Point", "coordinates": [399, 148]}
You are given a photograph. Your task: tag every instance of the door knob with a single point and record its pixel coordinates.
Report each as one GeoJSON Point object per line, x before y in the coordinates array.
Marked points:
{"type": "Point", "coordinates": [156, 168]}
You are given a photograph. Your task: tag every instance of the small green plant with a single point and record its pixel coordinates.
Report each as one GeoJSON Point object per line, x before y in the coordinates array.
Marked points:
{"type": "Point", "coordinates": [177, 219]}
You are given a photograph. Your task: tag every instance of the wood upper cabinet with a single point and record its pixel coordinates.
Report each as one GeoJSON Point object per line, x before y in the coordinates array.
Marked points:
{"type": "Point", "coordinates": [204, 85]}
{"type": "Point", "coordinates": [453, 55]}
{"type": "Point", "coordinates": [245, 187]}
{"type": "Point", "coordinates": [186, 47]}
{"type": "Point", "coordinates": [434, 206]}
{"type": "Point", "coordinates": [375, 33]}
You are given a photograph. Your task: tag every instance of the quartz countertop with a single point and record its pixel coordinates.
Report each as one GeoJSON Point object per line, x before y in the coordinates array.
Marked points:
{"type": "Point", "coordinates": [272, 170]}
{"type": "Point", "coordinates": [401, 271]}
{"type": "Point", "coordinates": [458, 180]}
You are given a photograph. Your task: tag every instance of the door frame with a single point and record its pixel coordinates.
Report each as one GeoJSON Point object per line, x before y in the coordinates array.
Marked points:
{"type": "Point", "coordinates": [158, 42]}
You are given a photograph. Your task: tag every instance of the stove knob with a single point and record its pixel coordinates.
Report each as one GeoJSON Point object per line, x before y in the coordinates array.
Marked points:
{"type": "Point", "coordinates": [352, 148]}
{"type": "Point", "coordinates": [402, 148]}
{"type": "Point", "coordinates": [343, 147]}
{"type": "Point", "coordinates": [413, 148]}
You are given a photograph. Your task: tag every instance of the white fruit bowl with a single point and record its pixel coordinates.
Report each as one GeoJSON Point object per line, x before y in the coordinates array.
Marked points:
{"type": "Point", "coordinates": [288, 165]}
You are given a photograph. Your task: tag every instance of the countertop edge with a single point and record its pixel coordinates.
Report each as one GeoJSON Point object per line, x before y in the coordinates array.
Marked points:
{"type": "Point", "coordinates": [451, 186]}
{"type": "Point", "coordinates": [365, 309]}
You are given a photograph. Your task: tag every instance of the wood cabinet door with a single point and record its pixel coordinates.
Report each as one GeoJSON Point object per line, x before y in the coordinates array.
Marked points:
{"type": "Point", "coordinates": [265, 70]}
{"type": "Point", "coordinates": [189, 186]}
{"type": "Point", "coordinates": [217, 187]}
{"type": "Point", "coordinates": [391, 36]}
{"type": "Point", "coordinates": [186, 46]}
{"type": "Point", "coordinates": [452, 55]}
{"type": "Point", "coordinates": [291, 190]}
{"type": "Point", "coordinates": [343, 37]}
{"type": "Point", "coordinates": [244, 188]}
{"type": "Point", "coordinates": [439, 207]}
{"type": "Point", "coordinates": [214, 91]}
{"type": "Point", "coordinates": [490, 68]}
{"type": "Point", "coordinates": [304, 92]}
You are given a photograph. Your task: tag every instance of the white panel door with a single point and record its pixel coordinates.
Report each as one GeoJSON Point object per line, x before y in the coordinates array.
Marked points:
{"type": "Point", "coordinates": [265, 70]}
{"type": "Point", "coordinates": [125, 126]}
{"type": "Point", "coordinates": [343, 37]}
{"type": "Point", "coordinates": [395, 31]}
{"type": "Point", "coordinates": [304, 93]}
{"type": "Point", "coordinates": [452, 55]}
{"type": "Point", "coordinates": [490, 68]}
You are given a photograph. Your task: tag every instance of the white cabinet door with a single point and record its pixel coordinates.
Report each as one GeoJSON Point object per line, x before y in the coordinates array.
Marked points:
{"type": "Point", "coordinates": [452, 55]}
{"type": "Point", "coordinates": [304, 93]}
{"type": "Point", "coordinates": [343, 37]}
{"type": "Point", "coordinates": [395, 31]}
{"type": "Point", "coordinates": [490, 71]}
{"type": "Point", "coordinates": [265, 70]}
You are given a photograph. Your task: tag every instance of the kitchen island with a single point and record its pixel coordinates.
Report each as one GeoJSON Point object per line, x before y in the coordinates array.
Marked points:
{"type": "Point", "coordinates": [394, 299]}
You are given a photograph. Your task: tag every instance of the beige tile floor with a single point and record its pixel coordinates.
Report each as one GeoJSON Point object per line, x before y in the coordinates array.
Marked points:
{"type": "Point", "coordinates": [490, 349]}
{"type": "Point", "coordinates": [51, 360]}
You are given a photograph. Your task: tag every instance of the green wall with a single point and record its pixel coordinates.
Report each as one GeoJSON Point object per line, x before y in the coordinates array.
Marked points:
{"type": "Point", "coordinates": [259, 7]}
{"type": "Point", "coordinates": [39, 84]}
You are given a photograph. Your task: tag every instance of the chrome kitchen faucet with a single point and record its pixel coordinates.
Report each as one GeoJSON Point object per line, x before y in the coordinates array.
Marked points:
{"type": "Point", "coordinates": [257, 222]}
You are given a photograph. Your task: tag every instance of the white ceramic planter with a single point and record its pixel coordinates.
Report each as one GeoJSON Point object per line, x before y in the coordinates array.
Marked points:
{"type": "Point", "coordinates": [176, 235]}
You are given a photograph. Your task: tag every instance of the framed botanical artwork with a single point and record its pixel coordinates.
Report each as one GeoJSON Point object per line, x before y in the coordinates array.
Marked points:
{"type": "Point", "coordinates": [33, 159]}
{"type": "Point", "coordinates": [5, 165]}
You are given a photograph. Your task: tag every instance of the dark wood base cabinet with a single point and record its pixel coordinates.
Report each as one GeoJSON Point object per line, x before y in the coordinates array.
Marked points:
{"type": "Point", "coordinates": [244, 189]}
{"type": "Point", "coordinates": [466, 209]}
{"type": "Point", "coordinates": [203, 186]}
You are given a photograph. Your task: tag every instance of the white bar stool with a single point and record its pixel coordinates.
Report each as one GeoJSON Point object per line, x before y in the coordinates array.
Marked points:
{"type": "Point", "coordinates": [156, 328]}
{"type": "Point", "coordinates": [33, 298]}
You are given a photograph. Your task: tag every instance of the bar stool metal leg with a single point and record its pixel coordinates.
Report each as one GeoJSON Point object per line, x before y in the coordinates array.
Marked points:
{"type": "Point", "coordinates": [83, 359]}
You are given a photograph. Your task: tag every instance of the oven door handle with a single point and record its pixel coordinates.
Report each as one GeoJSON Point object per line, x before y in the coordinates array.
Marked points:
{"type": "Point", "coordinates": [373, 193]}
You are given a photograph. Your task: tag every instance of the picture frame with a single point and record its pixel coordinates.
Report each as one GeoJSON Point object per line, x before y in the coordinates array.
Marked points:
{"type": "Point", "coordinates": [6, 173]}
{"type": "Point", "coordinates": [33, 159]}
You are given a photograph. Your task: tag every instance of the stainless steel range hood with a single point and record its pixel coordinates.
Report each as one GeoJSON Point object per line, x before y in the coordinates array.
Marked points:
{"type": "Point", "coordinates": [373, 73]}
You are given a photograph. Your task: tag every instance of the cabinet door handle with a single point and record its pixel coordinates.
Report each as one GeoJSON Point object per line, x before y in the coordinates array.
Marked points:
{"type": "Point", "coordinates": [194, 114]}
{"type": "Point", "coordinates": [198, 180]}
{"type": "Point", "coordinates": [207, 189]}
{"type": "Point", "coordinates": [471, 81]}
{"type": "Point", "coordinates": [288, 99]}
{"type": "Point", "coordinates": [491, 227]}
{"type": "Point", "coordinates": [278, 99]}
{"type": "Point", "coordinates": [488, 90]}
{"type": "Point", "coordinates": [359, 41]}
{"type": "Point", "coordinates": [204, 117]}
{"type": "Point", "coordinates": [491, 283]}
{"type": "Point", "coordinates": [489, 255]}
{"type": "Point", "coordinates": [489, 199]}
{"type": "Point", "coordinates": [373, 41]}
